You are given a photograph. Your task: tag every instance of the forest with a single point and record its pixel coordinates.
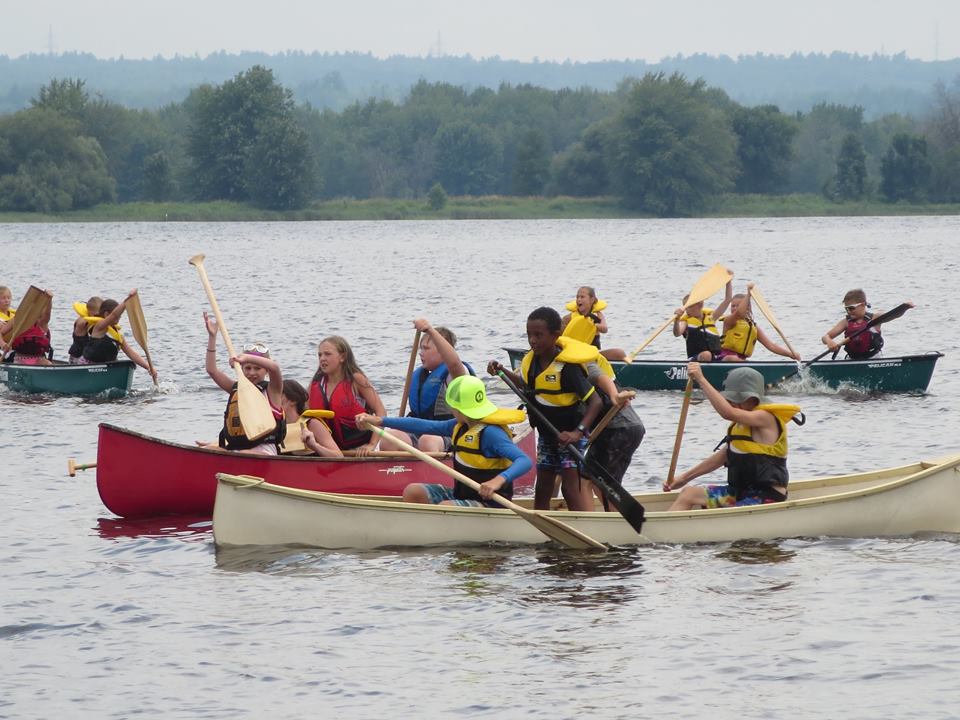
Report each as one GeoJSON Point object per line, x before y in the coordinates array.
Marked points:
{"type": "Point", "coordinates": [662, 143]}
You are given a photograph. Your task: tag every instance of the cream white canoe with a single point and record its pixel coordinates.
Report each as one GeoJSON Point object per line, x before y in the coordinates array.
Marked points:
{"type": "Point", "coordinates": [920, 498]}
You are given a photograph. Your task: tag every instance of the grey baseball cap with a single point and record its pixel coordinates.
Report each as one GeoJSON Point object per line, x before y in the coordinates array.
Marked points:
{"type": "Point", "coordinates": [743, 383]}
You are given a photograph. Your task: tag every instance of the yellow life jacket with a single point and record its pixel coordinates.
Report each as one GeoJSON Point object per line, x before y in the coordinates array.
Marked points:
{"type": "Point", "coordinates": [546, 386]}
{"type": "Point", "coordinates": [467, 457]}
{"type": "Point", "coordinates": [740, 338]}
{"type": "Point", "coordinates": [741, 436]}
{"type": "Point", "coordinates": [113, 331]}
{"type": "Point", "coordinates": [707, 322]}
{"type": "Point", "coordinates": [582, 327]}
{"type": "Point", "coordinates": [8, 315]}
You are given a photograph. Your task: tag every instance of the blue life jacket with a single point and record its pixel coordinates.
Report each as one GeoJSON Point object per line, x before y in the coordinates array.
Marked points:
{"type": "Point", "coordinates": [427, 393]}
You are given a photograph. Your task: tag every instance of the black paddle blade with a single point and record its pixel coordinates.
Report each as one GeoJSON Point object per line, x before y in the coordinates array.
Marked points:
{"type": "Point", "coordinates": [627, 505]}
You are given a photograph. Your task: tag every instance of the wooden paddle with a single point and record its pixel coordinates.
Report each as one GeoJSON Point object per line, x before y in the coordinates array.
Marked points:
{"type": "Point", "coordinates": [610, 415]}
{"type": "Point", "coordinates": [897, 312]}
{"type": "Point", "coordinates": [34, 304]}
{"type": "Point", "coordinates": [252, 405]}
{"type": "Point", "coordinates": [626, 504]}
{"type": "Point", "coordinates": [73, 466]}
{"type": "Point", "coordinates": [549, 526]}
{"type": "Point", "coordinates": [138, 325]}
{"type": "Point", "coordinates": [687, 393]}
{"type": "Point", "coordinates": [406, 384]}
{"type": "Point", "coordinates": [761, 302]}
{"type": "Point", "coordinates": [709, 283]}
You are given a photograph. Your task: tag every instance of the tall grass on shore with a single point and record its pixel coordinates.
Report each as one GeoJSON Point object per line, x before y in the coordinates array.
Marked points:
{"type": "Point", "coordinates": [493, 207]}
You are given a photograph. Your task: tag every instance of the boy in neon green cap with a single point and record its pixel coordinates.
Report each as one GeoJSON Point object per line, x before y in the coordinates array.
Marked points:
{"type": "Point", "coordinates": [481, 444]}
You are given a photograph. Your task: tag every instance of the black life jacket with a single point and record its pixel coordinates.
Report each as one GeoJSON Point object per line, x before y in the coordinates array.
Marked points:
{"type": "Point", "coordinates": [232, 436]}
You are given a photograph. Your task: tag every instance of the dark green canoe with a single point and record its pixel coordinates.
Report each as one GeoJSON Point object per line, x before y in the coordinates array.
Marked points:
{"type": "Point", "coordinates": [113, 378]}
{"type": "Point", "coordinates": [905, 374]}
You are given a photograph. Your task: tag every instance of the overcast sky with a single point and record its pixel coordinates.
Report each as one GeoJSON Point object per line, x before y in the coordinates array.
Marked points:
{"type": "Point", "coordinates": [516, 29]}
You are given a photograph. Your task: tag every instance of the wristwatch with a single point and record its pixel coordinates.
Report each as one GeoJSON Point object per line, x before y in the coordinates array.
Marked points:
{"type": "Point", "coordinates": [583, 430]}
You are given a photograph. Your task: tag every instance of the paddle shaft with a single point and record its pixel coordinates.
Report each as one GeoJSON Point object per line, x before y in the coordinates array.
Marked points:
{"type": "Point", "coordinates": [629, 508]}
{"type": "Point", "coordinates": [536, 518]}
{"type": "Point", "coordinates": [197, 262]}
{"type": "Point", "coordinates": [768, 314]}
{"type": "Point", "coordinates": [73, 466]}
{"type": "Point", "coordinates": [687, 392]}
{"type": "Point", "coordinates": [605, 420]}
{"type": "Point", "coordinates": [406, 383]}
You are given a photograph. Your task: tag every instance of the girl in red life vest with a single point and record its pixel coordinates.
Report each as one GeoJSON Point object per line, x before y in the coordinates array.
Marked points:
{"type": "Point", "coordinates": [339, 385]}
{"type": "Point", "coordinates": [32, 347]}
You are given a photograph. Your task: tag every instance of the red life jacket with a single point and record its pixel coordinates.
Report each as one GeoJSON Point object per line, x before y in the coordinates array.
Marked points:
{"type": "Point", "coordinates": [33, 342]}
{"type": "Point", "coordinates": [866, 344]}
{"type": "Point", "coordinates": [345, 406]}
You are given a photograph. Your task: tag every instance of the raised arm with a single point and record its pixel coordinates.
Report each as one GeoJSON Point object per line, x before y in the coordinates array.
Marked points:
{"type": "Point", "coordinates": [727, 297]}
{"type": "Point", "coordinates": [224, 381]}
{"type": "Point", "coordinates": [449, 354]}
{"type": "Point", "coordinates": [112, 318]}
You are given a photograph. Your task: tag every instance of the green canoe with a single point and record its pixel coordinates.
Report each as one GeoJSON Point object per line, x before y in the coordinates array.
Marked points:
{"type": "Point", "coordinates": [903, 374]}
{"type": "Point", "coordinates": [113, 378]}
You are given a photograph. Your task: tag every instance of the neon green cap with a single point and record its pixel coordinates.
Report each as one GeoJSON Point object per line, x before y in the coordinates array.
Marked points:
{"type": "Point", "coordinates": [468, 395]}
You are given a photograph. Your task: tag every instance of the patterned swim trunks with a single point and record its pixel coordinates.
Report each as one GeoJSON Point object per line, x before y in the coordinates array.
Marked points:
{"type": "Point", "coordinates": [551, 455]}
{"type": "Point", "coordinates": [441, 493]}
{"type": "Point", "coordinates": [719, 496]}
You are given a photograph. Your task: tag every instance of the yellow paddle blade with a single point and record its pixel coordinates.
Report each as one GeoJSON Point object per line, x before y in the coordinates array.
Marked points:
{"type": "Point", "coordinates": [761, 302]}
{"type": "Point", "coordinates": [34, 304]}
{"type": "Point", "coordinates": [138, 324]}
{"type": "Point", "coordinates": [709, 283]}
{"type": "Point", "coordinates": [254, 409]}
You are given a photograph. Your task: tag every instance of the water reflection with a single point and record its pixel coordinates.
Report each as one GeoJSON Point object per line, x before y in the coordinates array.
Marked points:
{"type": "Point", "coordinates": [756, 552]}
{"type": "Point", "coordinates": [183, 526]}
{"type": "Point", "coordinates": [582, 580]}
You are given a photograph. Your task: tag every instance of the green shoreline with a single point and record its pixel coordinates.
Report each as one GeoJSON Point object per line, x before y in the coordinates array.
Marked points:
{"type": "Point", "coordinates": [474, 208]}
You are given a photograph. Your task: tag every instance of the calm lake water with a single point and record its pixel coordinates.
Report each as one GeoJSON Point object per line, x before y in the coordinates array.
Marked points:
{"type": "Point", "coordinates": [103, 618]}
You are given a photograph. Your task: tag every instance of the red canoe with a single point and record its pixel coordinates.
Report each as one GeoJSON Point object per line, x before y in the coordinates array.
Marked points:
{"type": "Point", "coordinates": [140, 476]}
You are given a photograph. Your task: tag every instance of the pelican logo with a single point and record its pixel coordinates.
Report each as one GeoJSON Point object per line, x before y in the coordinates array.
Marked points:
{"type": "Point", "coordinates": [677, 372]}
{"type": "Point", "coordinates": [552, 378]}
{"type": "Point", "coordinates": [468, 438]}
{"type": "Point", "coordinates": [395, 470]}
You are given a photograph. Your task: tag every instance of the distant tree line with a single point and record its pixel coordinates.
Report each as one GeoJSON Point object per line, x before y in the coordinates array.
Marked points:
{"type": "Point", "coordinates": [661, 144]}
{"type": "Point", "coordinates": [880, 84]}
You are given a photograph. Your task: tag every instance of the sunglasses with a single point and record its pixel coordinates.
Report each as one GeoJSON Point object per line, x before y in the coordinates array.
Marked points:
{"type": "Point", "coordinates": [257, 348]}
{"type": "Point", "coordinates": [851, 308]}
